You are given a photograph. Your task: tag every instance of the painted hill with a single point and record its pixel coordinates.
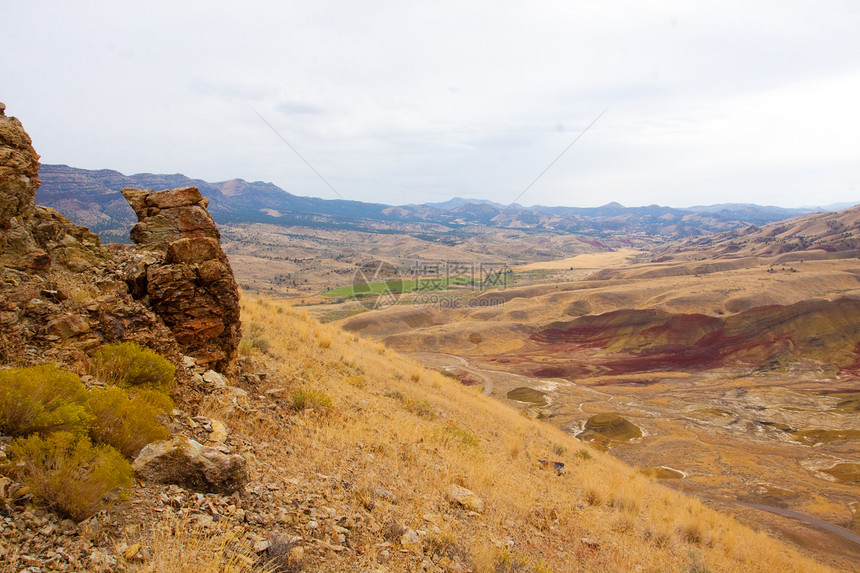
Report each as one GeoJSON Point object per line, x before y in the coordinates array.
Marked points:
{"type": "Point", "coordinates": [834, 234]}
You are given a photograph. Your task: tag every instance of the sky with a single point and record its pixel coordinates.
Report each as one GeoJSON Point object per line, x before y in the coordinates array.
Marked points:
{"type": "Point", "coordinates": [666, 102]}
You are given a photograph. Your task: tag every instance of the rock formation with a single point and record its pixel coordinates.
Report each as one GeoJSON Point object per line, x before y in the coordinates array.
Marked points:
{"type": "Point", "coordinates": [185, 274]}
{"type": "Point", "coordinates": [61, 291]}
{"type": "Point", "coordinates": [183, 461]}
{"type": "Point", "coordinates": [19, 169]}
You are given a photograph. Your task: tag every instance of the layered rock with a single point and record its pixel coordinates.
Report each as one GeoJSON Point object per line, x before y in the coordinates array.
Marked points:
{"type": "Point", "coordinates": [19, 169]}
{"type": "Point", "coordinates": [61, 291]}
{"type": "Point", "coordinates": [185, 273]}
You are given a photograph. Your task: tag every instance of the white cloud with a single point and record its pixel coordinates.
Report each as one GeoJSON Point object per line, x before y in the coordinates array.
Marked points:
{"type": "Point", "coordinates": [409, 101]}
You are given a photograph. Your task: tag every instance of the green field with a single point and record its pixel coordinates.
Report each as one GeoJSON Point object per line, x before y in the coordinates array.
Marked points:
{"type": "Point", "coordinates": [399, 286]}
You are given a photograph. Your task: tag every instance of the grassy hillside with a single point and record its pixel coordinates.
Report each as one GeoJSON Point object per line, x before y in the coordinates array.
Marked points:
{"type": "Point", "coordinates": [355, 449]}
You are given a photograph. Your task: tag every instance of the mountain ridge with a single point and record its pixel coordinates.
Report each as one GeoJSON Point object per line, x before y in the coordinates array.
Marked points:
{"type": "Point", "coordinates": [92, 198]}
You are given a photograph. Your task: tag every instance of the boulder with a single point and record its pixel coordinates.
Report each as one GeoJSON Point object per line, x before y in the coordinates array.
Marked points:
{"type": "Point", "coordinates": [187, 463]}
{"type": "Point", "coordinates": [185, 273]}
{"type": "Point", "coordinates": [465, 498]}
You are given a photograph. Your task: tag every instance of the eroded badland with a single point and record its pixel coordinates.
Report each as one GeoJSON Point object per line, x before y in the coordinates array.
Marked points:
{"type": "Point", "coordinates": [725, 367]}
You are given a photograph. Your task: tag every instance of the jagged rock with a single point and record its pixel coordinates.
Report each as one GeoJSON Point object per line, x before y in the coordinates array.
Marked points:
{"type": "Point", "coordinates": [186, 276]}
{"type": "Point", "coordinates": [169, 215]}
{"type": "Point", "coordinates": [61, 292]}
{"type": "Point", "coordinates": [215, 379]}
{"type": "Point", "coordinates": [410, 541]}
{"type": "Point", "coordinates": [465, 498]}
{"type": "Point", "coordinates": [19, 169]}
{"type": "Point", "coordinates": [219, 432]}
{"type": "Point", "coordinates": [187, 463]}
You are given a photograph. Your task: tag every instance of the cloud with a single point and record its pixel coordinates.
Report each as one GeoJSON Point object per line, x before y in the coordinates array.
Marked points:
{"type": "Point", "coordinates": [412, 101]}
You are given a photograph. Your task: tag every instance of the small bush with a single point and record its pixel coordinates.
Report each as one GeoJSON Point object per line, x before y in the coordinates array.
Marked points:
{"type": "Point", "coordinates": [583, 454]}
{"type": "Point", "coordinates": [41, 399]}
{"type": "Point", "coordinates": [69, 474]}
{"type": "Point", "coordinates": [253, 338]}
{"type": "Point", "coordinates": [452, 433]}
{"type": "Point", "coordinates": [422, 408]}
{"type": "Point", "coordinates": [127, 424]}
{"type": "Point", "coordinates": [305, 398]}
{"type": "Point", "coordinates": [158, 400]}
{"type": "Point", "coordinates": [130, 365]}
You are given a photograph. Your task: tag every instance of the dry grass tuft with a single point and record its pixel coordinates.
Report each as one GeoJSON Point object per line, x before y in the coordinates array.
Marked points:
{"type": "Point", "coordinates": [178, 545]}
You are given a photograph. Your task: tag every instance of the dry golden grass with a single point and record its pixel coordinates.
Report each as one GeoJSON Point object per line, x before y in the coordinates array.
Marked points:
{"type": "Point", "coordinates": [378, 433]}
{"type": "Point", "coordinates": [588, 261]}
{"type": "Point", "coordinates": [178, 545]}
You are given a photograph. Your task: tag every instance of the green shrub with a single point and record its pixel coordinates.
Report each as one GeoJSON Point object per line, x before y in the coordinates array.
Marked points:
{"type": "Point", "coordinates": [305, 398]}
{"type": "Point", "coordinates": [41, 399]}
{"type": "Point", "coordinates": [68, 474]}
{"type": "Point", "coordinates": [125, 423]}
{"type": "Point", "coordinates": [130, 365]}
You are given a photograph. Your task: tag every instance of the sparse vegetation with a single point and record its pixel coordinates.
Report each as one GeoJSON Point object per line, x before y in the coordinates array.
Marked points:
{"type": "Point", "coordinates": [68, 474]}
{"type": "Point", "coordinates": [310, 398]}
{"type": "Point", "coordinates": [130, 365]}
{"type": "Point", "coordinates": [401, 462]}
{"type": "Point", "coordinates": [253, 339]}
{"type": "Point", "coordinates": [373, 459]}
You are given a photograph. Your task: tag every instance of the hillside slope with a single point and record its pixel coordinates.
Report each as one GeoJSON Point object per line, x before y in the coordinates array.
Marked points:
{"type": "Point", "coordinates": [362, 460]}
{"type": "Point", "coordinates": [379, 462]}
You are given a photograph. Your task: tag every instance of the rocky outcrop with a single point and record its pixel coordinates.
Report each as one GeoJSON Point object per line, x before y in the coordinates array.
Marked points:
{"type": "Point", "coordinates": [19, 169]}
{"type": "Point", "coordinates": [185, 274]}
{"type": "Point", "coordinates": [61, 292]}
{"type": "Point", "coordinates": [185, 462]}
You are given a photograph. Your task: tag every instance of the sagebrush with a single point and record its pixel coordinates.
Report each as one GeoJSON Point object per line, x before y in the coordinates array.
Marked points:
{"type": "Point", "coordinates": [41, 399]}
{"type": "Point", "coordinates": [69, 474]}
{"type": "Point", "coordinates": [130, 365]}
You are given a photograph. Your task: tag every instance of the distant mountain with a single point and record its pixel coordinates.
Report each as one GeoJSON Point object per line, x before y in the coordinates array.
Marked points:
{"type": "Point", "coordinates": [92, 198]}
{"type": "Point", "coordinates": [830, 234]}
{"type": "Point", "coordinates": [460, 202]}
{"type": "Point", "coordinates": [752, 210]}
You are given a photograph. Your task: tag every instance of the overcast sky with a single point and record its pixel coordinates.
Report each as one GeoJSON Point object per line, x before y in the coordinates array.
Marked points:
{"type": "Point", "coordinates": [405, 102]}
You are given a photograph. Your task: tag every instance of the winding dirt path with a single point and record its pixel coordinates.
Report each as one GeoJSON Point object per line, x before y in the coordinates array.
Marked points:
{"type": "Point", "coordinates": [446, 360]}
{"type": "Point", "coordinates": [826, 525]}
